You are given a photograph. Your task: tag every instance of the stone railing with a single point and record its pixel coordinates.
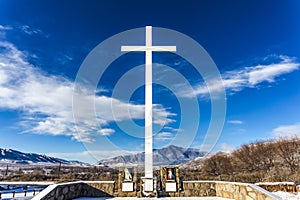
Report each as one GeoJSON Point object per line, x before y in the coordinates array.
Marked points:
{"type": "Point", "coordinates": [77, 189]}
{"type": "Point", "coordinates": [231, 190]}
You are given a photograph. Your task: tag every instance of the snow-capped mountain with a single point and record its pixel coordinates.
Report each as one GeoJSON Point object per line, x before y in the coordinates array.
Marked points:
{"type": "Point", "coordinates": [171, 155]}
{"type": "Point", "coordinates": [13, 156]}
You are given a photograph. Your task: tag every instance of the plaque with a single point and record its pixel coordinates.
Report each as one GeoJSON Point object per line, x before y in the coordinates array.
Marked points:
{"type": "Point", "coordinates": [127, 187]}
{"type": "Point", "coordinates": [171, 187]}
{"type": "Point", "coordinates": [148, 185]}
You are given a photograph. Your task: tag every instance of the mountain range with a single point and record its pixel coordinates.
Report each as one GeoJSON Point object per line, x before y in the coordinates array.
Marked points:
{"type": "Point", "coordinates": [17, 157]}
{"type": "Point", "coordinates": [171, 155]}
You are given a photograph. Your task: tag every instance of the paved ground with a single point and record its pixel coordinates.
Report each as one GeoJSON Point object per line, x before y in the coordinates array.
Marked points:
{"type": "Point", "coordinates": [162, 198]}
{"type": "Point", "coordinates": [7, 196]}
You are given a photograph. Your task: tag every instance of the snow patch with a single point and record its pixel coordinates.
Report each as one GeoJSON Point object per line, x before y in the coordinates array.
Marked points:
{"type": "Point", "coordinates": [26, 183]}
{"type": "Point", "coordinates": [2, 152]}
{"type": "Point", "coordinates": [275, 183]}
{"type": "Point", "coordinates": [287, 195]}
{"type": "Point", "coordinates": [20, 196]}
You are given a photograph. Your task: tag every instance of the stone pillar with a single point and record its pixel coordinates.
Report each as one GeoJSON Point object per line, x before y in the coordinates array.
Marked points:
{"type": "Point", "coordinates": [170, 181]}
{"type": "Point", "coordinates": [127, 181]}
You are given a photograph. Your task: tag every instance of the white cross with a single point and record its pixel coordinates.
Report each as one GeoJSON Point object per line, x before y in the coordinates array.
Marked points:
{"type": "Point", "coordinates": [148, 94]}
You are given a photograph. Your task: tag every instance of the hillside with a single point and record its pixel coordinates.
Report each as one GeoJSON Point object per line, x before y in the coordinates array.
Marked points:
{"type": "Point", "coordinates": [272, 161]}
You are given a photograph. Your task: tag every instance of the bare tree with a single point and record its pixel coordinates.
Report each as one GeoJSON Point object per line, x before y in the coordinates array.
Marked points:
{"type": "Point", "coordinates": [218, 164]}
{"type": "Point", "coordinates": [244, 159]}
{"type": "Point", "coordinates": [265, 153]}
{"type": "Point", "coordinates": [258, 156]}
{"type": "Point", "coordinates": [289, 151]}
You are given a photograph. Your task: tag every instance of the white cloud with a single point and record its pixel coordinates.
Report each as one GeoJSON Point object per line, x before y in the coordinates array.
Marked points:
{"type": "Point", "coordinates": [163, 136]}
{"type": "Point", "coordinates": [235, 122]}
{"type": "Point", "coordinates": [172, 129]}
{"type": "Point", "coordinates": [227, 148]}
{"type": "Point", "coordinates": [252, 76]}
{"type": "Point", "coordinates": [46, 101]}
{"type": "Point", "coordinates": [268, 73]}
{"type": "Point", "coordinates": [287, 130]}
{"type": "Point", "coordinates": [4, 28]}
{"type": "Point", "coordinates": [30, 30]}
{"type": "Point", "coordinates": [64, 58]}
{"type": "Point", "coordinates": [106, 131]}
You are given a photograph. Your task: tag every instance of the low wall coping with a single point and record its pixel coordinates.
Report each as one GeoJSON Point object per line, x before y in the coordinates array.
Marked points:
{"type": "Point", "coordinates": [48, 189]}
{"type": "Point", "coordinates": [96, 181]}
{"type": "Point", "coordinates": [275, 183]}
{"type": "Point", "coordinates": [222, 182]}
{"type": "Point", "coordinates": [44, 192]}
{"type": "Point", "coordinates": [265, 192]}
{"type": "Point", "coordinates": [25, 183]}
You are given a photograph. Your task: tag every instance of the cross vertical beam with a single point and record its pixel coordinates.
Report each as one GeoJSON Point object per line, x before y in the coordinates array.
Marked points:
{"type": "Point", "coordinates": [148, 49]}
{"type": "Point", "coordinates": [148, 107]}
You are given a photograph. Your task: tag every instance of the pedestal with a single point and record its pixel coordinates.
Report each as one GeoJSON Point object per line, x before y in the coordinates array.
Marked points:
{"type": "Point", "coordinates": [148, 187]}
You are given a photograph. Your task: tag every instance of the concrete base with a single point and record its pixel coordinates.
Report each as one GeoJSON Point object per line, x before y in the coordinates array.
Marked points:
{"type": "Point", "coordinates": [148, 187]}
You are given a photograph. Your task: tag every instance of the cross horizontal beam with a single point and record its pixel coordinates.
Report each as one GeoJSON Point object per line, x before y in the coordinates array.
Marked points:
{"type": "Point", "coordinates": [148, 48]}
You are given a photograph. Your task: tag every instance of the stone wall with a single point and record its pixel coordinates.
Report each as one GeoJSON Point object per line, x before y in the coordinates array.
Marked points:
{"type": "Point", "coordinates": [199, 188]}
{"type": "Point", "coordinates": [230, 190]}
{"type": "Point", "coordinates": [278, 186]}
{"type": "Point", "coordinates": [66, 191]}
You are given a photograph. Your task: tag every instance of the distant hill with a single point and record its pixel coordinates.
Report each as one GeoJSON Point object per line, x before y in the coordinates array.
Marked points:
{"type": "Point", "coordinates": [17, 157]}
{"type": "Point", "coordinates": [194, 164]}
{"type": "Point", "coordinates": [171, 155]}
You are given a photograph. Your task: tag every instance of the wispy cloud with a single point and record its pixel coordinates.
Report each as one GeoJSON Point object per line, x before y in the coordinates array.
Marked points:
{"type": "Point", "coordinates": [163, 136]}
{"type": "Point", "coordinates": [287, 130]}
{"type": "Point", "coordinates": [106, 131]}
{"type": "Point", "coordinates": [168, 133]}
{"type": "Point", "coordinates": [5, 28]}
{"type": "Point", "coordinates": [26, 29]}
{"type": "Point", "coordinates": [30, 30]}
{"type": "Point", "coordinates": [248, 77]}
{"type": "Point", "coordinates": [235, 122]}
{"type": "Point", "coordinates": [64, 58]}
{"type": "Point", "coordinates": [46, 101]}
{"type": "Point", "coordinates": [227, 148]}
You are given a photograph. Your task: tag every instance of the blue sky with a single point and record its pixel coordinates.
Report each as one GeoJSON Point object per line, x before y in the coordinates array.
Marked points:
{"type": "Point", "coordinates": [254, 44]}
